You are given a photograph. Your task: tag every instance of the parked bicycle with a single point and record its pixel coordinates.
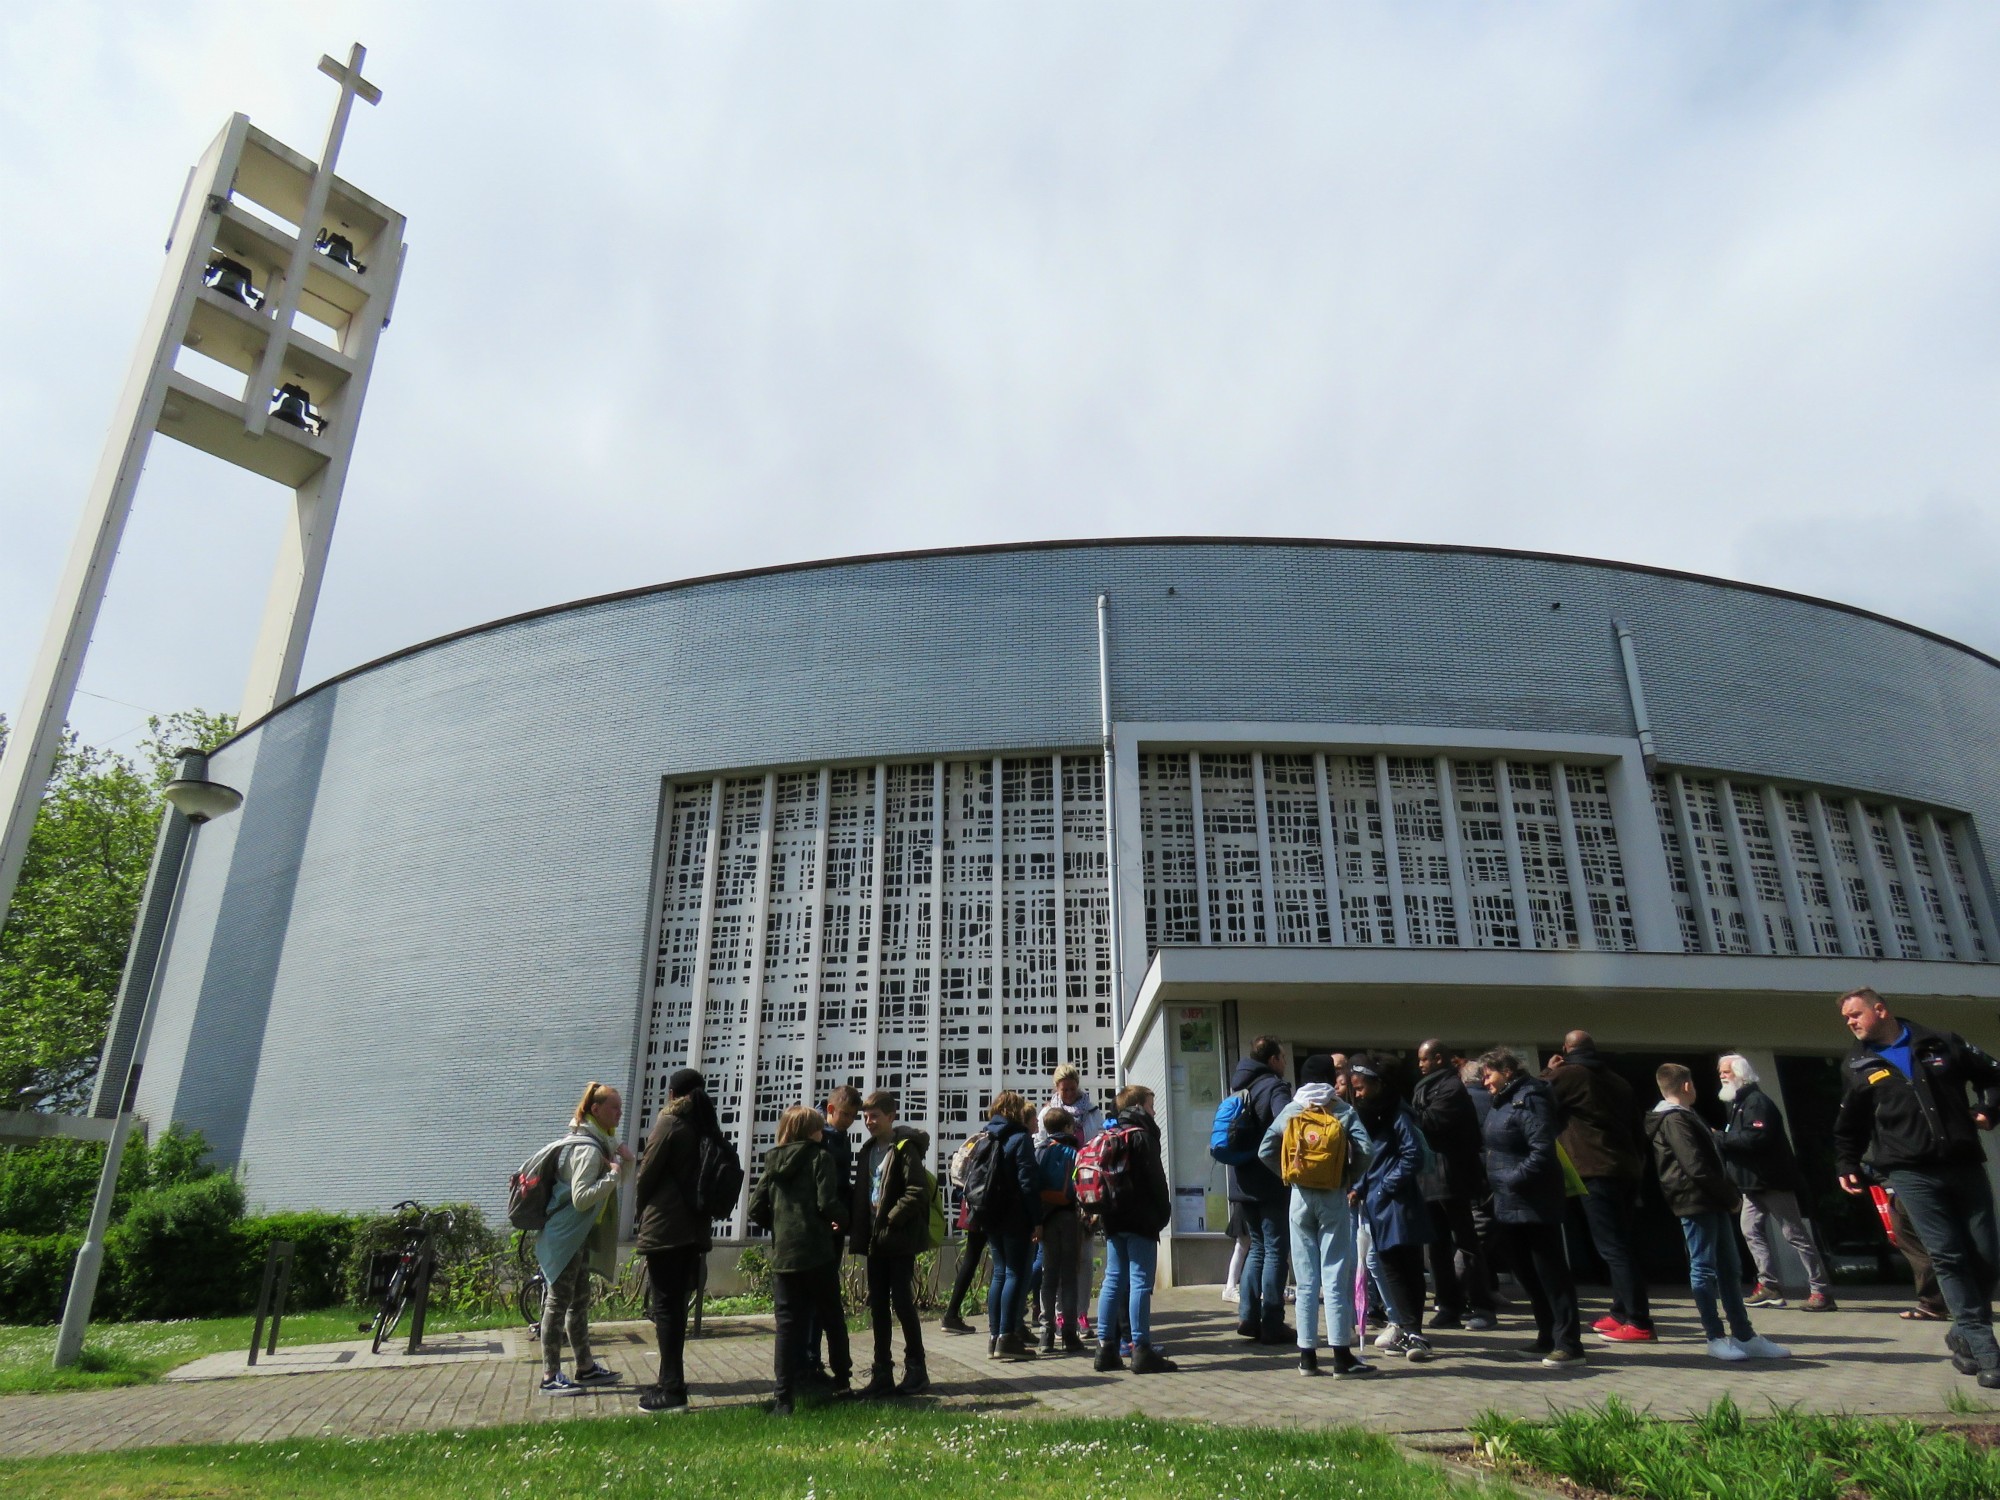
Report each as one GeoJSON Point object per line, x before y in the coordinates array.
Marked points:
{"type": "Point", "coordinates": [401, 1270]}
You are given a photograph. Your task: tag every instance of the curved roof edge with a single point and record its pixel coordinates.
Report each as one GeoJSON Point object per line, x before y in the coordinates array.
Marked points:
{"type": "Point", "coordinates": [1081, 543]}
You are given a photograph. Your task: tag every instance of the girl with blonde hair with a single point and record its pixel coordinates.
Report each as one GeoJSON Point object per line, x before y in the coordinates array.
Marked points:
{"type": "Point", "coordinates": [798, 1199]}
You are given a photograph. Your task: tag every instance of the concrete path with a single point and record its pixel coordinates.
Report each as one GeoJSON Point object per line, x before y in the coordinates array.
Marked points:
{"type": "Point", "coordinates": [1861, 1359]}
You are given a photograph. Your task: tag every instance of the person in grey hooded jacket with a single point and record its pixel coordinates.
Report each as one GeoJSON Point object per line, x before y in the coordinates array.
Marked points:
{"type": "Point", "coordinates": [1321, 1224]}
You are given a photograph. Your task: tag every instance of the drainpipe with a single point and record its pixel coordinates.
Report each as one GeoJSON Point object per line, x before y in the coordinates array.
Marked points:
{"type": "Point", "coordinates": [1629, 655]}
{"type": "Point", "coordinates": [1111, 813]}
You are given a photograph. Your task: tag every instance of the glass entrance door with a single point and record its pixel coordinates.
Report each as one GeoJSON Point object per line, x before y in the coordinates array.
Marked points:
{"type": "Point", "coordinates": [1195, 1085]}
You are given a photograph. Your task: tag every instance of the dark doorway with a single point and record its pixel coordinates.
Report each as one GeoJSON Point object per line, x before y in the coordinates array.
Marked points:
{"type": "Point", "coordinates": [1849, 1230]}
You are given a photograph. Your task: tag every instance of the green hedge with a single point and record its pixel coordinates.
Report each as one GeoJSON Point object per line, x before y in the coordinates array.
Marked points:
{"type": "Point", "coordinates": [180, 1245]}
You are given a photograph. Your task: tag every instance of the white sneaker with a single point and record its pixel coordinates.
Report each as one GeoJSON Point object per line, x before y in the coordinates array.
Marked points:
{"type": "Point", "coordinates": [1759, 1347]}
{"type": "Point", "coordinates": [1727, 1348]}
{"type": "Point", "coordinates": [1389, 1337]}
{"type": "Point", "coordinates": [1291, 1295]}
{"type": "Point", "coordinates": [1231, 1294]}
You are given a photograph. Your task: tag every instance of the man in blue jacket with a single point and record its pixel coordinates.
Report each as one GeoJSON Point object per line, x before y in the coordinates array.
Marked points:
{"type": "Point", "coordinates": [1260, 1308]}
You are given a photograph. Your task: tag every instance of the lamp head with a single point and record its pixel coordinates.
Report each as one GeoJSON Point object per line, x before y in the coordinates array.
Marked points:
{"type": "Point", "coordinates": [198, 798]}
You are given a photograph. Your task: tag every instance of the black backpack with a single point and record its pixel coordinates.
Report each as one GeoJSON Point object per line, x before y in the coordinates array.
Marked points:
{"type": "Point", "coordinates": [980, 1165]}
{"type": "Point", "coordinates": [718, 1179]}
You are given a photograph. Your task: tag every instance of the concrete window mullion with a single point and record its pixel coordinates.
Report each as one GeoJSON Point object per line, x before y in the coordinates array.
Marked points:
{"type": "Point", "coordinates": [1517, 872]}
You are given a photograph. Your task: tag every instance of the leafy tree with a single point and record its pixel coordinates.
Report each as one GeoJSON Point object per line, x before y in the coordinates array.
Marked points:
{"type": "Point", "coordinates": [63, 947]}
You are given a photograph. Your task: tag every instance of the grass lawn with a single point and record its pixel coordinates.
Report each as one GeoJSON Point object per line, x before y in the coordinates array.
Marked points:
{"type": "Point", "coordinates": [130, 1353]}
{"type": "Point", "coordinates": [829, 1453]}
{"type": "Point", "coordinates": [1724, 1455]}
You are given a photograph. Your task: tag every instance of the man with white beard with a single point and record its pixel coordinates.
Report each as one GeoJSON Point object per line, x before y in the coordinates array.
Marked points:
{"type": "Point", "coordinates": [1758, 1157]}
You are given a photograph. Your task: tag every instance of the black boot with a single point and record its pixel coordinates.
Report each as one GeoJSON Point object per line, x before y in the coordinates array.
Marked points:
{"type": "Point", "coordinates": [1049, 1337]}
{"type": "Point", "coordinates": [1072, 1342]}
{"type": "Point", "coordinates": [1010, 1347]}
{"type": "Point", "coordinates": [1146, 1360]}
{"type": "Point", "coordinates": [1107, 1358]}
{"type": "Point", "coordinates": [881, 1384]}
{"type": "Point", "coordinates": [916, 1379]}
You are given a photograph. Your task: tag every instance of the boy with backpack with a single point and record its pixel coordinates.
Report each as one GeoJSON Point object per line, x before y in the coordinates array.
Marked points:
{"type": "Point", "coordinates": [1697, 1188]}
{"type": "Point", "coordinates": [890, 1223]}
{"type": "Point", "coordinates": [1315, 1146]}
{"type": "Point", "coordinates": [1062, 1232]}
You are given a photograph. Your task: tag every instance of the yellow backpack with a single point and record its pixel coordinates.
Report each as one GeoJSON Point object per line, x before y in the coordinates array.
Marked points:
{"type": "Point", "coordinates": [1314, 1153]}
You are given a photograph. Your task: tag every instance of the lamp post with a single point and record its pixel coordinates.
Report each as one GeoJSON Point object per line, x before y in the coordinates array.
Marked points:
{"type": "Point", "coordinates": [192, 800]}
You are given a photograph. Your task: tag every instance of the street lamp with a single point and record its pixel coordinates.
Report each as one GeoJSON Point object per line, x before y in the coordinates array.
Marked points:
{"type": "Point", "coordinates": [192, 800]}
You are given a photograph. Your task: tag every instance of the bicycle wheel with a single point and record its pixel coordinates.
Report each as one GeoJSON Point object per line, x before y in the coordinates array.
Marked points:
{"type": "Point", "coordinates": [530, 1298]}
{"type": "Point", "coordinates": [394, 1303]}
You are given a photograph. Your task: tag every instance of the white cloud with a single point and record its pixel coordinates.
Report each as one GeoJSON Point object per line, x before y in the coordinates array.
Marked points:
{"type": "Point", "coordinates": [699, 287]}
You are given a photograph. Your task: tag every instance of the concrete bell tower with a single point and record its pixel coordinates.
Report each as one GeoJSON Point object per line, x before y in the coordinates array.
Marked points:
{"type": "Point", "coordinates": [263, 238]}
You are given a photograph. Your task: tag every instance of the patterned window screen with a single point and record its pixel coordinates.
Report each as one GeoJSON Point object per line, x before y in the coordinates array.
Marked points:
{"type": "Point", "coordinates": [1677, 871]}
{"type": "Point", "coordinates": [1956, 874]}
{"type": "Point", "coordinates": [1166, 824]}
{"type": "Point", "coordinates": [1766, 880]}
{"type": "Point", "coordinates": [1482, 838]}
{"type": "Point", "coordinates": [1816, 893]}
{"type": "Point", "coordinates": [727, 1011]}
{"type": "Point", "coordinates": [1422, 858]}
{"type": "Point", "coordinates": [847, 926]}
{"type": "Point", "coordinates": [1603, 866]}
{"type": "Point", "coordinates": [1030, 967]}
{"type": "Point", "coordinates": [1853, 879]}
{"type": "Point", "coordinates": [1086, 924]}
{"type": "Point", "coordinates": [1364, 859]}
{"type": "Point", "coordinates": [1298, 864]}
{"type": "Point", "coordinates": [1929, 890]}
{"type": "Point", "coordinates": [1712, 862]}
{"type": "Point", "coordinates": [1900, 916]}
{"type": "Point", "coordinates": [1229, 821]}
{"type": "Point", "coordinates": [1538, 825]}
{"type": "Point", "coordinates": [680, 934]}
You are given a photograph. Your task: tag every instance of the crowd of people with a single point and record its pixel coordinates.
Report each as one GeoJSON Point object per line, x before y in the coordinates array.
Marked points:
{"type": "Point", "coordinates": [1344, 1190]}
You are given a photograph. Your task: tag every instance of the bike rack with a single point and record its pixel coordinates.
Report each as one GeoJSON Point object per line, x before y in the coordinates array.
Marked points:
{"type": "Point", "coordinates": [421, 1300]}
{"type": "Point", "coordinates": [271, 1299]}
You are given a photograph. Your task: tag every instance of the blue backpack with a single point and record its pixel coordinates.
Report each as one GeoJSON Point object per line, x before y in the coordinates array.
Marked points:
{"type": "Point", "coordinates": [1235, 1136]}
{"type": "Point", "coordinates": [1055, 1173]}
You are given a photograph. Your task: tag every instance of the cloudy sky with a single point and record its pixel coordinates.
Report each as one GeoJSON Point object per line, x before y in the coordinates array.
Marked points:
{"type": "Point", "coordinates": [698, 287]}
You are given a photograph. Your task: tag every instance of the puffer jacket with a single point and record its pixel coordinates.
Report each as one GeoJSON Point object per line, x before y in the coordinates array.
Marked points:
{"type": "Point", "coordinates": [1521, 1161]}
{"type": "Point", "coordinates": [1755, 1150]}
{"type": "Point", "coordinates": [798, 1199]}
{"type": "Point", "coordinates": [1692, 1179]}
{"type": "Point", "coordinates": [1013, 1203]}
{"type": "Point", "coordinates": [1451, 1125]}
{"type": "Point", "coordinates": [1392, 1204]}
{"type": "Point", "coordinates": [670, 1218]}
{"type": "Point", "coordinates": [1602, 1134]}
{"type": "Point", "coordinates": [1253, 1182]}
{"type": "Point", "coordinates": [898, 1224]}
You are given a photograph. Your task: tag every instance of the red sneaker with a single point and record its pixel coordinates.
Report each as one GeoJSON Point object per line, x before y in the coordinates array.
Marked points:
{"type": "Point", "coordinates": [1605, 1324]}
{"type": "Point", "coordinates": [1625, 1333]}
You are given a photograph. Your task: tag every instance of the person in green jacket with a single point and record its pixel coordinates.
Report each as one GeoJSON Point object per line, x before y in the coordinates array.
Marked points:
{"type": "Point", "coordinates": [798, 1199]}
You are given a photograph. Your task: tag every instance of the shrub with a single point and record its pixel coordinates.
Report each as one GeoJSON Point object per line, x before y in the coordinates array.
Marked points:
{"type": "Point", "coordinates": [471, 1256]}
{"type": "Point", "coordinates": [47, 1187]}
{"type": "Point", "coordinates": [34, 1275]}
{"type": "Point", "coordinates": [178, 1253]}
{"type": "Point", "coordinates": [323, 1244]}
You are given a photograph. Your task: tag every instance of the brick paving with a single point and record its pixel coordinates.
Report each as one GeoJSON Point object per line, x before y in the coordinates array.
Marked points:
{"type": "Point", "coordinates": [1862, 1359]}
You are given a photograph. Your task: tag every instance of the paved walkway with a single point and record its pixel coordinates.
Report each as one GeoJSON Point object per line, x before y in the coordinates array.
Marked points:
{"type": "Point", "coordinates": [1861, 1359]}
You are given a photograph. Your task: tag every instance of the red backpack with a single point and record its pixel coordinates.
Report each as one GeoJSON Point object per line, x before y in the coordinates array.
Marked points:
{"type": "Point", "coordinates": [1104, 1170]}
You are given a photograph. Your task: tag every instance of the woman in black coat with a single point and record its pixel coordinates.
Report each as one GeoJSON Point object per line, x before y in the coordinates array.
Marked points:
{"type": "Point", "coordinates": [1011, 1215]}
{"type": "Point", "coordinates": [1529, 1201]}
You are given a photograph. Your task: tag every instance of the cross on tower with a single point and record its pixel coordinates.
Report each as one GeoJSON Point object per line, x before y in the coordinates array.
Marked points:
{"type": "Point", "coordinates": [348, 76]}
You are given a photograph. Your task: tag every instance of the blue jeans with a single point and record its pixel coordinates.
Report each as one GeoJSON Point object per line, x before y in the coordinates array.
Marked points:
{"type": "Point", "coordinates": [1008, 1293]}
{"type": "Point", "coordinates": [1716, 1273]}
{"type": "Point", "coordinates": [1952, 1209]}
{"type": "Point", "coordinates": [1261, 1289]}
{"type": "Point", "coordinates": [1129, 1262]}
{"type": "Point", "coordinates": [1323, 1258]}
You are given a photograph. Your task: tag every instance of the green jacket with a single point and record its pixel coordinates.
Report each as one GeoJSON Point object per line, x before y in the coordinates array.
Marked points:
{"type": "Point", "coordinates": [798, 1200]}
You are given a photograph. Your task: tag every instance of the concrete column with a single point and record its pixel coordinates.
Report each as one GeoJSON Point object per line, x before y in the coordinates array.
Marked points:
{"type": "Point", "coordinates": [1579, 887]}
{"type": "Point", "coordinates": [1746, 879]}
{"type": "Point", "coordinates": [1648, 878]}
{"type": "Point", "coordinates": [1836, 882]}
{"type": "Point", "coordinates": [1454, 853]}
{"type": "Point", "coordinates": [1329, 850]}
{"type": "Point", "coordinates": [1385, 801]}
{"type": "Point", "coordinates": [1788, 869]}
{"type": "Point", "coordinates": [1697, 882]}
{"type": "Point", "coordinates": [1200, 843]}
{"type": "Point", "coordinates": [1266, 887]}
{"type": "Point", "coordinates": [1517, 872]}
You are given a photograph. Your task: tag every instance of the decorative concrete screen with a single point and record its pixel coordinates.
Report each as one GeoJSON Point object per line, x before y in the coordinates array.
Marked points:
{"type": "Point", "coordinates": [1807, 872]}
{"type": "Point", "coordinates": [1476, 853]}
{"type": "Point", "coordinates": [888, 926]}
